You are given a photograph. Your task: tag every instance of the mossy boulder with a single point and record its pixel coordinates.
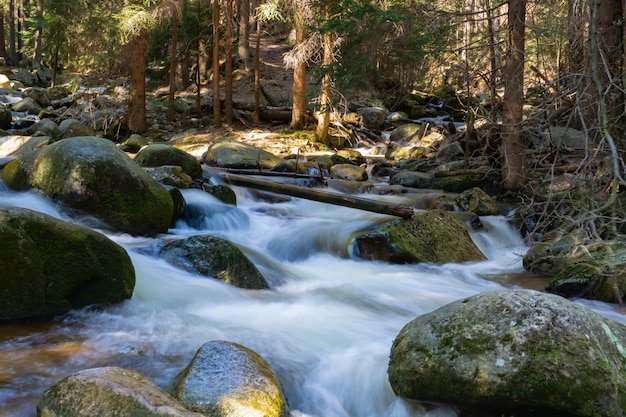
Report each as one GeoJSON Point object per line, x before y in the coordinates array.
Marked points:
{"type": "Point", "coordinates": [517, 352]}
{"type": "Point", "coordinates": [477, 201]}
{"type": "Point", "coordinates": [226, 379]}
{"type": "Point", "coordinates": [581, 268]}
{"type": "Point", "coordinates": [413, 179]}
{"type": "Point", "coordinates": [229, 153]}
{"type": "Point", "coordinates": [93, 176]}
{"type": "Point", "coordinates": [71, 128]}
{"type": "Point", "coordinates": [109, 392]}
{"type": "Point", "coordinates": [50, 266]}
{"type": "Point", "coordinates": [27, 105]}
{"type": "Point", "coordinates": [407, 132]}
{"type": "Point", "coordinates": [6, 118]}
{"type": "Point", "coordinates": [214, 257]}
{"type": "Point", "coordinates": [159, 154]}
{"type": "Point", "coordinates": [170, 175]}
{"type": "Point", "coordinates": [348, 172]}
{"type": "Point", "coordinates": [433, 236]}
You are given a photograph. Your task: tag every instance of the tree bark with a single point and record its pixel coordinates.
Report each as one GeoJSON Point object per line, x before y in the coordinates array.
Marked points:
{"type": "Point", "coordinates": [173, 62]}
{"type": "Point", "coordinates": [137, 95]}
{"type": "Point", "coordinates": [228, 79]}
{"type": "Point", "coordinates": [323, 119]}
{"type": "Point", "coordinates": [400, 210]}
{"type": "Point", "coordinates": [217, 111]}
{"type": "Point", "coordinates": [257, 73]}
{"type": "Point", "coordinates": [3, 49]}
{"type": "Point", "coordinates": [299, 73]}
{"type": "Point", "coordinates": [38, 36]}
{"type": "Point", "coordinates": [12, 58]}
{"type": "Point", "coordinates": [244, 34]}
{"type": "Point", "coordinates": [513, 100]}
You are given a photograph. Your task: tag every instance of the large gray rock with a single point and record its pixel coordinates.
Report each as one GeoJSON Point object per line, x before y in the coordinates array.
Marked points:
{"type": "Point", "coordinates": [161, 154]}
{"type": "Point", "coordinates": [226, 379]}
{"type": "Point", "coordinates": [516, 352]}
{"type": "Point", "coordinates": [433, 236]}
{"type": "Point", "coordinates": [109, 392]}
{"type": "Point", "coordinates": [50, 266]}
{"type": "Point", "coordinates": [17, 145]}
{"type": "Point", "coordinates": [348, 172]}
{"type": "Point", "coordinates": [229, 153]}
{"type": "Point", "coordinates": [27, 105]}
{"type": "Point", "coordinates": [6, 118]}
{"type": "Point", "coordinates": [214, 257]}
{"type": "Point", "coordinates": [94, 176]}
{"type": "Point", "coordinates": [71, 128]}
{"type": "Point", "coordinates": [373, 117]}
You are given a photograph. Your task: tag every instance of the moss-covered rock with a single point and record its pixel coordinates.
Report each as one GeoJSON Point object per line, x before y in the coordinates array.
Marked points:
{"type": "Point", "coordinates": [407, 132]}
{"type": "Point", "coordinates": [109, 392]}
{"type": "Point", "coordinates": [433, 236]}
{"type": "Point", "coordinates": [222, 192]}
{"type": "Point", "coordinates": [72, 128]}
{"type": "Point", "coordinates": [214, 257]}
{"type": "Point", "coordinates": [159, 154]}
{"type": "Point", "coordinates": [348, 172]}
{"type": "Point", "coordinates": [94, 176]}
{"type": "Point", "coordinates": [477, 201]}
{"type": "Point", "coordinates": [226, 379]}
{"type": "Point", "coordinates": [170, 175]}
{"type": "Point", "coordinates": [50, 266]}
{"type": "Point", "coordinates": [515, 352]}
{"type": "Point", "coordinates": [229, 153]}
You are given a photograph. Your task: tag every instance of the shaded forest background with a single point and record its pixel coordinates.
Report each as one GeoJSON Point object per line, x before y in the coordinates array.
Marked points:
{"type": "Point", "coordinates": [512, 69]}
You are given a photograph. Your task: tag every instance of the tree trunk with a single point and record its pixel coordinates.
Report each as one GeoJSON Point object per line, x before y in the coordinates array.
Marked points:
{"type": "Point", "coordinates": [323, 119]}
{"type": "Point", "coordinates": [257, 73]}
{"type": "Point", "coordinates": [228, 79]}
{"type": "Point", "coordinates": [217, 111]}
{"type": "Point", "coordinates": [173, 62]}
{"type": "Point", "coordinates": [244, 34]}
{"type": "Point", "coordinates": [3, 49]}
{"type": "Point", "coordinates": [513, 103]}
{"type": "Point", "coordinates": [38, 36]}
{"type": "Point", "coordinates": [299, 73]}
{"type": "Point", "coordinates": [12, 40]}
{"type": "Point", "coordinates": [137, 95]}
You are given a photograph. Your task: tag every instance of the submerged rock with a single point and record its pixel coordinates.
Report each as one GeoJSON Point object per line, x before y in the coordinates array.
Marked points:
{"type": "Point", "coordinates": [226, 379]}
{"type": "Point", "coordinates": [50, 266]}
{"type": "Point", "coordinates": [516, 352]}
{"type": "Point", "coordinates": [109, 392]}
{"type": "Point", "coordinates": [216, 258]}
{"type": "Point", "coordinates": [94, 176]}
{"type": "Point", "coordinates": [433, 236]}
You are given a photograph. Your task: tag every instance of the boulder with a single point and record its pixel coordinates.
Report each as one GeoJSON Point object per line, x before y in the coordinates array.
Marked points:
{"type": "Point", "coordinates": [412, 179]}
{"type": "Point", "coordinates": [353, 156]}
{"type": "Point", "coordinates": [39, 94]}
{"type": "Point", "coordinates": [27, 105]}
{"type": "Point", "coordinates": [50, 266]}
{"type": "Point", "coordinates": [161, 154]}
{"type": "Point", "coordinates": [109, 392]}
{"type": "Point", "coordinates": [226, 379]}
{"type": "Point", "coordinates": [171, 175]}
{"type": "Point", "coordinates": [513, 352]}
{"type": "Point", "coordinates": [406, 152]}
{"type": "Point", "coordinates": [6, 118]}
{"type": "Point", "coordinates": [407, 132]}
{"type": "Point", "coordinates": [433, 236]}
{"type": "Point", "coordinates": [348, 172]}
{"type": "Point", "coordinates": [135, 142]}
{"type": "Point", "coordinates": [448, 152]}
{"type": "Point", "coordinates": [71, 128]}
{"type": "Point", "coordinates": [214, 257]}
{"type": "Point", "coordinates": [45, 127]}
{"type": "Point", "coordinates": [477, 201]}
{"type": "Point", "coordinates": [92, 175]}
{"type": "Point", "coordinates": [373, 117]}
{"type": "Point", "coordinates": [229, 153]}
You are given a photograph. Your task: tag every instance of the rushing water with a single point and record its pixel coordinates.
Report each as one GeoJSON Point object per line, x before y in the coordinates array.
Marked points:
{"type": "Point", "coordinates": [325, 326]}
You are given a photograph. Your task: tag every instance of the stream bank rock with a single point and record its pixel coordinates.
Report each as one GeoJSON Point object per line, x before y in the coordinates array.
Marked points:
{"type": "Point", "coordinates": [517, 352]}
{"type": "Point", "coordinates": [226, 379]}
{"type": "Point", "coordinates": [93, 176]}
{"type": "Point", "coordinates": [159, 154]}
{"type": "Point", "coordinates": [229, 153]}
{"type": "Point", "coordinates": [109, 392]}
{"type": "Point", "coordinates": [214, 257]}
{"type": "Point", "coordinates": [433, 236]}
{"type": "Point", "coordinates": [50, 266]}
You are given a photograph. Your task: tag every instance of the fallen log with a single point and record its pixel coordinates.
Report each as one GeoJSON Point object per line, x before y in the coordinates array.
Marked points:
{"type": "Point", "coordinates": [400, 210]}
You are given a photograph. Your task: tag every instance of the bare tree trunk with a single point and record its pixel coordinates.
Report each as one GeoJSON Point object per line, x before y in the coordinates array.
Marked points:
{"type": "Point", "coordinates": [217, 111]}
{"type": "Point", "coordinates": [512, 109]}
{"type": "Point", "coordinates": [12, 36]}
{"type": "Point", "coordinates": [228, 80]}
{"type": "Point", "coordinates": [38, 36]}
{"type": "Point", "coordinates": [257, 73]}
{"type": "Point", "coordinates": [299, 73]}
{"type": "Point", "coordinates": [137, 95]}
{"type": "Point", "coordinates": [244, 34]}
{"type": "Point", "coordinates": [3, 49]}
{"type": "Point", "coordinates": [173, 61]}
{"type": "Point", "coordinates": [323, 119]}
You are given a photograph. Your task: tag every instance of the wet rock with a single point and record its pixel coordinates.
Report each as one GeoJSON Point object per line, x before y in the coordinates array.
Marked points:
{"type": "Point", "coordinates": [222, 192]}
{"type": "Point", "coordinates": [27, 105]}
{"type": "Point", "coordinates": [17, 145]}
{"type": "Point", "coordinates": [216, 258]}
{"type": "Point", "coordinates": [50, 266]}
{"type": "Point", "coordinates": [160, 154]}
{"type": "Point", "coordinates": [170, 175]}
{"type": "Point", "coordinates": [353, 157]}
{"type": "Point", "coordinates": [229, 153]}
{"type": "Point", "coordinates": [226, 379]}
{"type": "Point", "coordinates": [412, 179]}
{"type": "Point", "coordinates": [93, 176]}
{"type": "Point", "coordinates": [517, 352]}
{"type": "Point", "coordinates": [109, 392]}
{"type": "Point", "coordinates": [407, 132]}
{"type": "Point", "coordinates": [433, 236]}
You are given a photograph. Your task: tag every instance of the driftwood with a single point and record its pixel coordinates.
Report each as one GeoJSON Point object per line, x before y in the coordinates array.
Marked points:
{"type": "Point", "coordinates": [265, 173]}
{"type": "Point", "coordinates": [400, 210]}
{"type": "Point", "coordinates": [268, 113]}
